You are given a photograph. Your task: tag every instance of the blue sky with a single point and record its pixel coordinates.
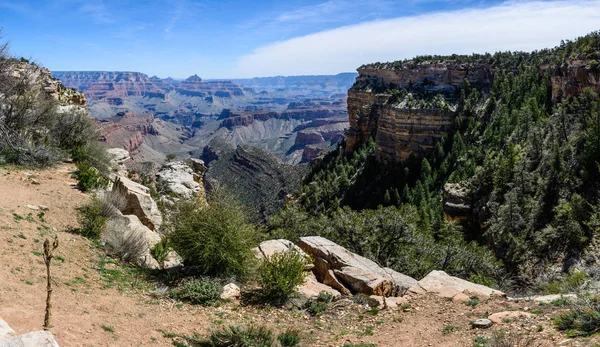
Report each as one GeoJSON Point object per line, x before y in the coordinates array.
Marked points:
{"type": "Point", "coordinates": [236, 38]}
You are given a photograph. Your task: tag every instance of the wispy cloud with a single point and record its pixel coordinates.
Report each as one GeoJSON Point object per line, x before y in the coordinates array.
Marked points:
{"type": "Point", "coordinates": [96, 11]}
{"type": "Point", "coordinates": [509, 26]}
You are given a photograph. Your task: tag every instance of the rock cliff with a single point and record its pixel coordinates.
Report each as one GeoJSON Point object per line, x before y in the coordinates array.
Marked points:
{"type": "Point", "coordinates": [573, 76]}
{"type": "Point", "coordinates": [401, 127]}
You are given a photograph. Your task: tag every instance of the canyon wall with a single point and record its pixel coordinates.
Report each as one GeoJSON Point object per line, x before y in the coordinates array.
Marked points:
{"type": "Point", "coordinates": [399, 130]}
{"type": "Point", "coordinates": [573, 76]}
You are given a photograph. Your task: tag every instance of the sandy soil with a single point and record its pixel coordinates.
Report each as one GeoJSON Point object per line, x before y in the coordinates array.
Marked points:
{"type": "Point", "coordinates": [96, 303]}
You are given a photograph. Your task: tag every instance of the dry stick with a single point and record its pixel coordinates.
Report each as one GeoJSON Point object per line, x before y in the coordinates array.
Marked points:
{"type": "Point", "coordinates": [48, 250]}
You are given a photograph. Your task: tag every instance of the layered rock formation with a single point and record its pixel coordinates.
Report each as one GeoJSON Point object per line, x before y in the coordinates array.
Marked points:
{"type": "Point", "coordinates": [400, 128]}
{"type": "Point", "coordinates": [573, 76]}
{"type": "Point", "coordinates": [259, 179]}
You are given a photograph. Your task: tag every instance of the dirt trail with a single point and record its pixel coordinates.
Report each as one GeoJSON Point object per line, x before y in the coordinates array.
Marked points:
{"type": "Point", "coordinates": [97, 304]}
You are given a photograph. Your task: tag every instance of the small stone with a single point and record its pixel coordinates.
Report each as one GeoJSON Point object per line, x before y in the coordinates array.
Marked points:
{"type": "Point", "coordinates": [230, 291]}
{"type": "Point", "coordinates": [33, 207]}
{"type": "Point", "coordinates": [482, 323]}
{"type": "Point", "coordinates": [34, 181]}
{"type": "Point", "coordinates": [44, 208]}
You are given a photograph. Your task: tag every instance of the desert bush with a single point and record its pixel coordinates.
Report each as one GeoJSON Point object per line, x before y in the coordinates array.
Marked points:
{"type": "Point", "coordinates": [35, 130]}
{"type": "Point", "coordinates": [91, 219]}
{"type": "Point", "coordinates": [111, 203]}
{"type": "Point", "coordinates": [280, 275]}
{"type": "Point", "coordinates": [234, 336]}
{"type": "Point", "coordinates": [217, 237]}
{"type": "Point", "coordinates": [126, 245]}
{"type": "Point", "coordinates": [583, 319]}
{"type": "Point", "coordinates": [200, 291]}
{"type": "Point", "coordinates": [501, 338]}
{"type": "Point", "coordinates": [316, 308]}
{"type": "Point", "coordinates": [160, 251]}
{"type": "Point", "coordinates": [289, 338]}
{"type": "Point", "coordinates": [88, 177]}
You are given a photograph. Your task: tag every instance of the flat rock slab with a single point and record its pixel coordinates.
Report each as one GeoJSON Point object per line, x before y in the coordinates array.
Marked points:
{"type": "Point", "coordinates": [501, 316]}
{"type": "Point", "coordinates": [441, 284]}
{"type": "Point", "coordinates": [33, 339]}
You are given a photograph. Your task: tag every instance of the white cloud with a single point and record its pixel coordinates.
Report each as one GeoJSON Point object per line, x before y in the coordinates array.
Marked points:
{"type": "Point", "coordinates": [510, 26]}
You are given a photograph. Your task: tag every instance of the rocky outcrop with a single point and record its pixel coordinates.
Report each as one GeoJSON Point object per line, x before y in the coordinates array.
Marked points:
{"type": "Point", "coordinates": [8, 338]}
{"type": "Point", "coordinates": [350, 272]}
{"type": "Point", "coordinates": [126, 233]}
{"type": "Point", "coordinates": [180, 179]}
{"type": "Point", "coordinates": [441, 284]}
{"type": "Point", "coordinates": [570, 78]}
{"type": "Point", "coordinates": [266, 249]}
{"type": "Point", "coordinates": [457, 201]}
{"type": "Point", "coordinates": [259, 179]}
{"type": "Point", "coordinates": [111, 85]}
{"type": "Point", "coordinates": [400, 131]}
{"type": "Point", "coordinates": [138, 202]}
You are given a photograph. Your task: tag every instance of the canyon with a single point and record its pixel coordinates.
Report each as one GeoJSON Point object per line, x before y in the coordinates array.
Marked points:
{"type": "Point", "coordinates": [296, 118]}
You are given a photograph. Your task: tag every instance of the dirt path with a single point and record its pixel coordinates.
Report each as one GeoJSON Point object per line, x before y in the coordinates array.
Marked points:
{"type": "Point", "coordinates": [99, 303]}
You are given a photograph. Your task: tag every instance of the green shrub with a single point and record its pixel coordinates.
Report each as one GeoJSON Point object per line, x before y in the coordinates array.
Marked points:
{"type": "Point", "coordinates": [161, 250]}
{"type": "Point", "coordinates": [199, 291]}
{"type": "Point", "coordinates": [473, 301]}
{"type": "Point", "coordinates": [594, 65]}
{"type": "Point", "coordinates": [280, 275]}
{"type": "Point", "coordinates": [236, 337]}
{"type": "Point", "coordinates": [289, 338]}
{"type": "Point", "coordinates": [582, 320]}
{"type": "Point", "coordinates": [91, 219]}
{"type": "Point", "coordinates": [316, 308]}
{"type": "Point", "coordinates": [325, 297]}
{"type": "Point", "coordinates": [88, 177]}
{"type": "Point", "coordinates": [217, 238]}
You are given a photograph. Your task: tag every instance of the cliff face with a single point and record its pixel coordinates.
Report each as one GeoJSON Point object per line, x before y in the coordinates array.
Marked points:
{"type": "Point", "coordinates": [399, 130]}
{"type": "Point", "coordinates": [573, 76]}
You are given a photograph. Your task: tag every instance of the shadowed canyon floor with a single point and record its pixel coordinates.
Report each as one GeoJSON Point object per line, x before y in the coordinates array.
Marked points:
{"type": "Point", "coordinates": [100, 303]}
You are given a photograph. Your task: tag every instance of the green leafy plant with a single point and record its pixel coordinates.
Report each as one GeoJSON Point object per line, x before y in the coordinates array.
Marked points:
{"type": "Point", "coordinates": [160, 250]}
{"type": "Point", "coordinates": [88, 177]}
{"type": "Point", "coordinates": [91, 219]}
{"type": "Point", "coordinates": [280, 274]}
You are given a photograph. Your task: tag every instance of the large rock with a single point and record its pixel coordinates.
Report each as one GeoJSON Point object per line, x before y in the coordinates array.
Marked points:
{"type": "Point", "coordinates": [457, 200]}
{"type": "Point", "coordinates": [139, 202]}
{"type": "Point", "coordinates": [178, 178]}
{"type": "Point", "coordinates": [312, 287]}
{"type": "Point", "coordinates": [441, 284]}
{"type": "Point", "coordinates": [266, 249]}
{"type": "Point", "coordinates": [33, 339]}
{"type": "Point", "coordinates": [124, 227]}
{"type": "Point", "coordinates": [5, 330]}
{"type": "Point", "coordinates": [354, 272]}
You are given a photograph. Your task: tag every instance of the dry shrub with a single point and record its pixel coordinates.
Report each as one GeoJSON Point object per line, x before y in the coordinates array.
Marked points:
{"type": "Point", "coordinates": [112, 203]}
{"type": "Point", "coordinates": [127, 245]}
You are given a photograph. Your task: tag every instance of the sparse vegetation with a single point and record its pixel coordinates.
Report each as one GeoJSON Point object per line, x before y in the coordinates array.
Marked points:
{"type": "Point", "coordinates": [289, 338]}
{"type": "Point", "coordinates": [280, 275]}
{"type": "Point", "coordinates": [200, 291]}
{"type": "Point", "coordinates": [250, 336]}
{"type": "Point", "coordinates": [92, 219]}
